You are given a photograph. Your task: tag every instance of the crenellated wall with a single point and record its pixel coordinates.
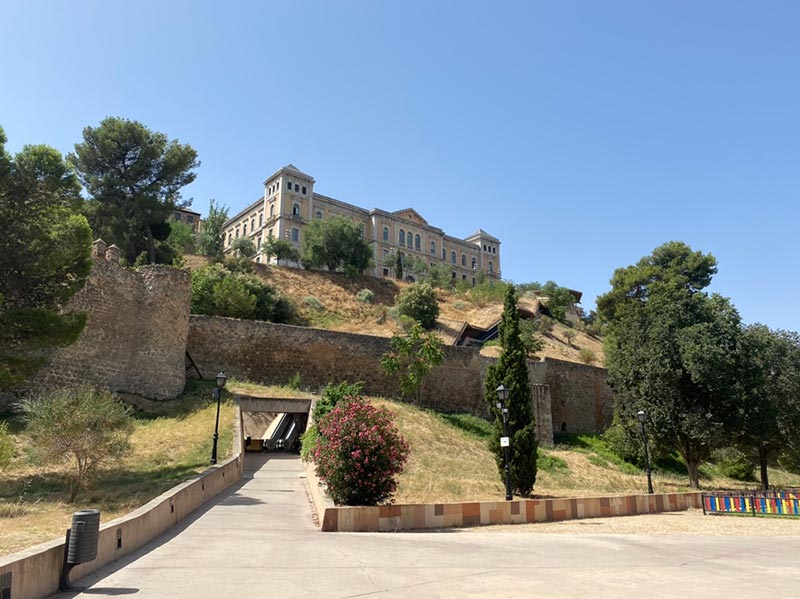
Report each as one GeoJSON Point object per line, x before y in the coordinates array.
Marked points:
{"type": "Point", "coordinates": [136, 330]}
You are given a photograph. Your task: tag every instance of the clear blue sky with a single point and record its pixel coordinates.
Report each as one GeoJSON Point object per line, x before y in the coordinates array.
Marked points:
{"type": "Point", "coordinates": [582, 134]}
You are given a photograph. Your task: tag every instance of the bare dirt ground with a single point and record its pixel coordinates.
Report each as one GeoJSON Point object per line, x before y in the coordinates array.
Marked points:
{"type": "Point", "coordinates": [691, 522]}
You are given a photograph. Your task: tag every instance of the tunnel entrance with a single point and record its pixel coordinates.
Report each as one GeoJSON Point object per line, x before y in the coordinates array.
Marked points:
{"type": "Point", "coordinates": [273, 424]}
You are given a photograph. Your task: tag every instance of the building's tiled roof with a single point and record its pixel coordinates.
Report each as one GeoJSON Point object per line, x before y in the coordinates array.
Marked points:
{"type": "Point", "coordinates": [484, 235]}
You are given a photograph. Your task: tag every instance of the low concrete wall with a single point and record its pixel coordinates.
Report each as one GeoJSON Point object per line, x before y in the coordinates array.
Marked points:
{"type": "Point", "coordinates": [388, 518]}
{"type": "Point", "coordinates": [35, 572]}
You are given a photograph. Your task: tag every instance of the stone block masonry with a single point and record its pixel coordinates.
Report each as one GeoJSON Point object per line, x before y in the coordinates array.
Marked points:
{"type": "Point", "coordinates": [136, 330]}
{"type": "Point", "coordinates": [563, 393]}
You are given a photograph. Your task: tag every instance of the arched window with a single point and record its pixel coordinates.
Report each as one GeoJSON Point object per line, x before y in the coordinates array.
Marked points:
{"type": "Point", "coordinates": [474, 263]}
{"type": "Point", "coordinates": [271, 210]}
{"type": "Point", "coordinates": [386, 233]}
{"type": "Point", "coordinates": [260, 219]}
{"type": "Point", "coordinates": [402, 258]}
{"type": "Point", "coordinates": [319, 215]}
{"type": "Point", "coordinates": [463, 259]}
{"type": "Point", "coordinates": [417, 242]}
{"type": "Point", "coordinates": [491, 266]}
{"type": "Point", "coordinates": [453, 257]}
{"type": "Point", "coordinates": [402, 237]}
{"type": "Point", "coordinates": [433, 247]}
{"type": "Point", "coordinates": [296, 210]}
{"type": "Point", "coordinates": [244, 229]}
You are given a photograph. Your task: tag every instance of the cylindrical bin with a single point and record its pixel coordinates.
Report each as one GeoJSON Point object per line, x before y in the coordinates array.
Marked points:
{"type": "Point", "coordinates": [83, 536]}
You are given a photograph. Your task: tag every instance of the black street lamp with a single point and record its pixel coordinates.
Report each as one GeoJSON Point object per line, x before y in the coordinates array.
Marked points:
{"type": "Point", "coordinates": [502, 396]}
{"type": "Point", "coordinates": [642, 420]}
{"type": "Point", "coordinates": [221, 378]}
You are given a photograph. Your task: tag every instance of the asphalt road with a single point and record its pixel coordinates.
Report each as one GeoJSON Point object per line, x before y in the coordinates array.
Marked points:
{"type": "Point", "coordinates": [258, 541]}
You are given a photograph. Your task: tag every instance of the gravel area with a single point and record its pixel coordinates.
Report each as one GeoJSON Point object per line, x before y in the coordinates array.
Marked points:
{"type": "Point", "coordinates": [691, 522]}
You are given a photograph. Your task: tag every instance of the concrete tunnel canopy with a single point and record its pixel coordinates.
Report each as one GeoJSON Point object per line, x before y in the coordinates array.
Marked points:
{"type": "Point", "coordinates": [261, 415]}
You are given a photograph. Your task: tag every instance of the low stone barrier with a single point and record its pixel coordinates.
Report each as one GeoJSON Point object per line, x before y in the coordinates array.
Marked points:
{"type": "Point", "coordinates": [388, 518]}
{"type": "Point", "coordinates": [35, 572]}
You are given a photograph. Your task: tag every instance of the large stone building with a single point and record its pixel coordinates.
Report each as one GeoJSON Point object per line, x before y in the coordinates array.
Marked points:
{"type": "Point", "coordinates": [289, 203]}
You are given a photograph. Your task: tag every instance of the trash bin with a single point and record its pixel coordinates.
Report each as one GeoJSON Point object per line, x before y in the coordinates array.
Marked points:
{"type": "Point", "coordinates": [83, 536]}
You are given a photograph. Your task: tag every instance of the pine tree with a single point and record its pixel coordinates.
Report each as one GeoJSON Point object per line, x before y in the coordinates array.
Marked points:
{"type": "Point", "coordinates": [511, 370]}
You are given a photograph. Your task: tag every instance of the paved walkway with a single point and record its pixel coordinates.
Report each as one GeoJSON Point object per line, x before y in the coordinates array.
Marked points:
{"type": "Point", "coordinates": [258, 541]}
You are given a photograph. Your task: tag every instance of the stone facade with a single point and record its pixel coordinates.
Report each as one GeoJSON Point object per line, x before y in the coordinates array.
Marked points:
{"type": "Point", "coordinates": [273, 353]}
{"type": "Point", "coordinates": [289, 203]}
{"type": "Point", "coordinates": [136, 330]}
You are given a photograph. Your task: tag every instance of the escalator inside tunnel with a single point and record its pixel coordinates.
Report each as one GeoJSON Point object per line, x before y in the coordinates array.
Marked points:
{"type": "Point", "coordinates": [274, 431]}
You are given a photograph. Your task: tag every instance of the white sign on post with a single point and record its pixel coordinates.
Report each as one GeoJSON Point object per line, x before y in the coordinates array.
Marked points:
{"type": "Point", "coordinates": [504, 442]}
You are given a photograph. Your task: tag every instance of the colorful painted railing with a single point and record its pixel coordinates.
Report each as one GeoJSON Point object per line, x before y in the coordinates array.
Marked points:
{"type": "Point", "coordinates": [778, 503]}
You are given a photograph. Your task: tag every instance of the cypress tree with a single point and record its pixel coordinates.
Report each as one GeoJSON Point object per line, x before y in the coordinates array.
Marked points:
{"type": "Point", "coordinates": [511, 370]}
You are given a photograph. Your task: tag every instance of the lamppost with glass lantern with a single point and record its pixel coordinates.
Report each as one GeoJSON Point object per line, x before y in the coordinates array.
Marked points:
{"type": "Point", "coordinates": [502, 396]}
{"type": "Point", "coordinates": [642, 415]}
{"type": "Point", "coordinates": [221, 378]}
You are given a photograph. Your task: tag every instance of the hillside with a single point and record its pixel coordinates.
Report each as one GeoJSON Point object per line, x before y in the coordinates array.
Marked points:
{"type": "Point", "coordinates": [330, 301]}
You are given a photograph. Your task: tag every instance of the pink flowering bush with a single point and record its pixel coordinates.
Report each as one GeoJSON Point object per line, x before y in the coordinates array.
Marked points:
{"type": "Point", "coordinates": [359, 453]}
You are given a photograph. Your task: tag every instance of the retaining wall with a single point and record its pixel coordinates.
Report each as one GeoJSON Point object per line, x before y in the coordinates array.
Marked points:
{"type": "Point", "coordinates": [566, 396]}
{"type": "Point", "coordinates": [442, 515]}
{"type": "Point", "coordinates": [35, 572]}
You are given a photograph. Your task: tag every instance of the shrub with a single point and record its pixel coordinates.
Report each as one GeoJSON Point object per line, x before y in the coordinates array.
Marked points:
{"type": "Point", "coordinates": [365, 296]}
{"type": "Point", "coordinates": [459, 305]}
{"type": "Point", "coordinates": [569, 336]}
{"type": "Point", "coordinates": [734, 464]}
{"type": "Point", "coordinates": [332, 394]}
{"type": "Point", "coordinates": [220, 291]}
{"type": "Point", "coordinates": [244, 247]}
{"type": "Point", "coordinates": [545, 324]}
{"type": "Point", "coordinates": [313, 303]}
{"type": "Point", "coordinates": [419, 302]}
{"type": "Point", "coordinates": [359, 454]}
{"type": "Point", "coordinates": [87, 426]}
{"type": "Point", "coordinates": [6, 446]}
{"type": "Point", "coordinates": [411, 359]}
{"type": "Point", "coordinates": [296, 382]}
{"type": "Point", "coordinates": [532, 341]}
{"type": "Point", "coordinates": [588, 356]}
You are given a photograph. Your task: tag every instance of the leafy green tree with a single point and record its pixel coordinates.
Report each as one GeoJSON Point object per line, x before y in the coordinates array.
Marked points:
{"type": "Point", "coordinates": [134, 177]}
{"type": "Point", "coordinates": [770, 394]}
{"type": "Point", "coordinates": [44, 258]}
{"type": "Point", "coordinates": [282, 250]}
{"type": "Point", "coordinates": [181, 238]}
{"type": "Point", "coordinates": [210, 238]}
{"type": "Point", "coordinates": [418, 301]}
{"type": "Point", "coordinates": [672, 351]}
{"type": "Point", "coordinates": [336, 243]}
{"type": "Point", "coordinates": [87, 426]}
{"type": "Point", "coordinates": [511, 370]}
{"type": "Point", "coordinates": [244, 246]}
{"type": "Point", "coordinates": [398, 266]}
{"type": "Point", "coordinates": [232, 299]}
{"type": "Point", "coordinates": [411, 358]}
{"type": "Point", "coordinates": [530, 337]}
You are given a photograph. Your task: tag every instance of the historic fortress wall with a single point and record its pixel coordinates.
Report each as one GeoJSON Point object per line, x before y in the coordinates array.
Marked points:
{"type": "Point", "coordinates": [566, 396]}
{"type": "Point", "coordinates": [136, 330]}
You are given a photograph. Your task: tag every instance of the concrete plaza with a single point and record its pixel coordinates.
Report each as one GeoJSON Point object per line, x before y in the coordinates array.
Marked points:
{"type": "Point", "coordinates": [258, 540]}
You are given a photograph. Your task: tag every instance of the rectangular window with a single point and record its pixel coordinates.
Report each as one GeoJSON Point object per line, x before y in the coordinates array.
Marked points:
{"type": "Point", "coordinates": [295, 234]}
{"type": "Point", "coordinates": [385, 272]}
{"type": "Point", "coordinates": [296, 187]}
{"type": "Point", "coordinates": [304, 190]}
{"type": "Point", "coordinates": [189, 218]}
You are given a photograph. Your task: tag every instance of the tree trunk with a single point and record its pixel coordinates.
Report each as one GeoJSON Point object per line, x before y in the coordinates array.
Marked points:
{"type": "Point", "coordinates": [763, 454]}
{"type": "Point", "coordinates": [693, 466]}
{"type": "Point", "coordinates": [151, 245]}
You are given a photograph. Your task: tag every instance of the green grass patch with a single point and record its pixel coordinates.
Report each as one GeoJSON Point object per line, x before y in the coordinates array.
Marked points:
{"type": "Point", "coordinates": [468, 423]}
{"type": "Point", "coordinates": [546, 462]}
{"type": "Point", "coordinates": [597, 451]}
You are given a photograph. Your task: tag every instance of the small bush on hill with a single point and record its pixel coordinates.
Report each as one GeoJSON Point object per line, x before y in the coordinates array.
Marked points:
{"type": "Point", "coordinates": [419, 302]}
{"type": "Point", "coordinates": [734, 464]}
{"type": "Point", "coordinates": [314, 303]}
{"type": "Point", "coordinates": [588, 356]}
{"type": "Point", "coordinates": [365, 296]}
{"type": "Point", "coordinates": [532, 340]}
{"type": "Point", "coordinates": [359, 454]}
{"type": "Point", "coordinates": [87, 426]}
{"type": "Point", "coordinates": [219, 291]}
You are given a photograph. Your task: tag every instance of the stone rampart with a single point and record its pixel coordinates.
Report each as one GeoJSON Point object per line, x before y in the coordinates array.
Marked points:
{"type": "Point", "coordinates": [268, 353]}
{"type": "Point", "coordinates": [136, 330]}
